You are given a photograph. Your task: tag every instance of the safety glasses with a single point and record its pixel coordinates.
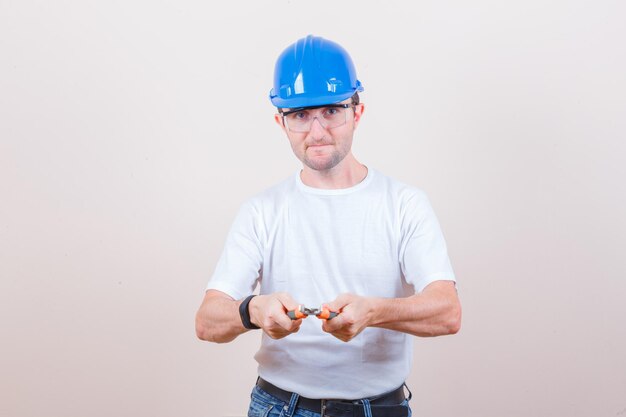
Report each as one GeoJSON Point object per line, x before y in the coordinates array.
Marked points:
{"type": "Point", "coordinates": [329, 116]}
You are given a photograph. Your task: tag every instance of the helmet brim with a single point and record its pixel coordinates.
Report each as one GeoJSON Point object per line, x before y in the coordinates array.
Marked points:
{"type": "Point", "coordinates": [304, 101]}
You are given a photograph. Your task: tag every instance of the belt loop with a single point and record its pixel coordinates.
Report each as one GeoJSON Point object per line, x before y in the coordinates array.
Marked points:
{"type": "Point", "coordinates": [291, 408]}
{"type": "Point", "coordinates": [410, 393]}
{"type": "Point", "coordinates": [366, 407]}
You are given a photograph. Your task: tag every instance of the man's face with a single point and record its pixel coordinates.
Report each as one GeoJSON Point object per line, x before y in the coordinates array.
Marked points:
{"type": "Point", "coordinates": [323, 148]}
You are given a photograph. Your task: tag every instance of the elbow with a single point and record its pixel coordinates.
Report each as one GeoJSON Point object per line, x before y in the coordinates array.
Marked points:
{"type": "Point", "coordinates": [454, 327]}
{"type": "Point", "coordinates": [213, 322]}
{"type": "Point", "coordinates": [208, 336]}
{"type": "Point", "coordinates": [205, 334]}
{"type": "Point", "coordinates": [453, 324]}
{"type": "Point", "coordinates": [215, 338]}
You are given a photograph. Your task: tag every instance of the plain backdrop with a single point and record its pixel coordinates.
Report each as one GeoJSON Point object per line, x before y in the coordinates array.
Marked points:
{"type": "Point", "coordinates": [131, 131]}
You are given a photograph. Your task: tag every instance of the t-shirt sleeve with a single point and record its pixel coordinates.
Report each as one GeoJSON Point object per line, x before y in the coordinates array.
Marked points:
{"type": "Point", "coordinates": [423, 252]}
{"type": "Point", "coordinates": [239, 267]}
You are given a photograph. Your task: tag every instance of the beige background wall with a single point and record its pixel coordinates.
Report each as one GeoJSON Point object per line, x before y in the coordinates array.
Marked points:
{"type": "Point", "coordinates": [130, 132]}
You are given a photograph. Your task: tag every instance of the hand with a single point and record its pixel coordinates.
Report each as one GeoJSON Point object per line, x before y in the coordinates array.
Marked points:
{"type": "Point", "coordinates": [269, 312]}
{"type": "Point", "coordinates": [355, 315]}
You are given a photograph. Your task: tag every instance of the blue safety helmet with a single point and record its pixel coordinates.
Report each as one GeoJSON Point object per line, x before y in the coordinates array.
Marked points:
{"type": "Point", "coordinates": [311, 72]}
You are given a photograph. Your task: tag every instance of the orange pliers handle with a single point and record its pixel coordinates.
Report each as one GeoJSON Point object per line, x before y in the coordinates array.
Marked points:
{"type": "Point", "coordinates": [298, 313]}
{"type": "Point", "coordinates": [326, 314]}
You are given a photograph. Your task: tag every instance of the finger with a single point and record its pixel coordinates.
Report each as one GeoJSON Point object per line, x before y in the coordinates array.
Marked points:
{"type": "Point", "coordinates": [341, 336]}
{"type": "Point", "coordinates": [330, 326]}
{"type": "Point", "coordinates": [295, 325]}
{"type": "Point", "coordinates": [285, 322]}
{"type": "Point", "coordinates": [277, 334]}
{"type": "Point", "coordinates": [277, 331]}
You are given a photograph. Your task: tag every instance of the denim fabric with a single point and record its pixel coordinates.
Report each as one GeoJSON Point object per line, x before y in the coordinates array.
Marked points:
{"type": "Point", "coordinates": [263, 404]}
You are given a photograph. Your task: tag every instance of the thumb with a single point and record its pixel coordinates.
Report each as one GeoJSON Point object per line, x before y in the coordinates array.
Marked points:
{"type": "Point", "coordinates": [287, 301]}
{"type": "Point", "coordinates": [338, 303]}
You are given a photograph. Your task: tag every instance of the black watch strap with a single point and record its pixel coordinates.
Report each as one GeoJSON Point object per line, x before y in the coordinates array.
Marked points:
{"type": "Point", "coordinates": [244, 313]}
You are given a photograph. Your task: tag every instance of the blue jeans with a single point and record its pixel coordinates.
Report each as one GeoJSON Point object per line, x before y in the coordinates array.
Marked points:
{"type": "Point", "coordinates": [263, 404]}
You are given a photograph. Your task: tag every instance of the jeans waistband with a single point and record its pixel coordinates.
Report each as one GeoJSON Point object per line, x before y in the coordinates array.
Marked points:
{"type": "Point", "coordinates": [346, 407]}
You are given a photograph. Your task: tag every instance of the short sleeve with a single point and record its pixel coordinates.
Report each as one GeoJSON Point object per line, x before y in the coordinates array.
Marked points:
{"type": "Point", "coordinates": [423, 252]}
{"type": "Point", "coordinates": [239, 267]}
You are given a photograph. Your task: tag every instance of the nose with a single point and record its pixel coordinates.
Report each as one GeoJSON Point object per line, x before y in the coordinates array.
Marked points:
{"type": "Point", "coordinates": [317, 130]}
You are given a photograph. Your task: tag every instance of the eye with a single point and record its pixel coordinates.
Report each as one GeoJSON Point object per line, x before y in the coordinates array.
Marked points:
{"type": "Point", "coordinates": [301, 115]}
{"type": "Point", "coordinates": [331, 111]}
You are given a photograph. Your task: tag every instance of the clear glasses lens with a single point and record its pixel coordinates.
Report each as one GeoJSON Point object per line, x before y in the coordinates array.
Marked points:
{"type": "Point", "coordinates": [329, 117]}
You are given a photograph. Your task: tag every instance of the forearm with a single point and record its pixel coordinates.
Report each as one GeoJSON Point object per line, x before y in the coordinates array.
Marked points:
{"type": "Point", "coordinates": [432, 313]}
{"type": "Point", "coordinates": [217, 319]}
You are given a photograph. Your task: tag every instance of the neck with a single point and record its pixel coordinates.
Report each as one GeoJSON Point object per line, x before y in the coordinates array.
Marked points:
{"type": "Point", "coordinates": [346, 174]}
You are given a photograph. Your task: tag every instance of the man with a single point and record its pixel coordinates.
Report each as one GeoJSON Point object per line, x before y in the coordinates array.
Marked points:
{"type": "Point", "coordinates": [338, 240]}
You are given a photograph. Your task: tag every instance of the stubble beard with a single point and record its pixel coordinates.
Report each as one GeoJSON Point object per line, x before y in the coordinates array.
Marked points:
{"type": "Point", "coordinates": [327, 162]}
{"type": "Point", "coordinates": [323, 164]}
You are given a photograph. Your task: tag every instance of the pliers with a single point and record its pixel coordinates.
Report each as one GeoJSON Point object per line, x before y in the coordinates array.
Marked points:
{"type": "Point", "coordinates": [303, 312]}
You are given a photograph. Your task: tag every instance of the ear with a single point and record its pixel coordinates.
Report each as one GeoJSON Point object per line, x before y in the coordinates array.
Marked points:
{"type": "Point", "coordinates": [280, 122]}
{"type": "Point", "coordinates": [358, 112]}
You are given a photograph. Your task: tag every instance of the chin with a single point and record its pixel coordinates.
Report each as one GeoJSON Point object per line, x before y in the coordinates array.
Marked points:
{"type": "Point", "coordinates": [322, 164]}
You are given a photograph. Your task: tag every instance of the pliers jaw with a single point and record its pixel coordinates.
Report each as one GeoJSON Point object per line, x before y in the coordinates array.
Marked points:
{"type": "Point", "coordinates": [311, 311]}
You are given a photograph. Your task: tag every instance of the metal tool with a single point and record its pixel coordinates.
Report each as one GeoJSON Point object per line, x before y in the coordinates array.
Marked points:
{"type": "Point", "coordinates": [303, 312]}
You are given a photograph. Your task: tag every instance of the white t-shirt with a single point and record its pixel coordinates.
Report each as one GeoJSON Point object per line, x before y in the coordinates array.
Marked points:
{"type": "Point", "coordinates": [378, 238]}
